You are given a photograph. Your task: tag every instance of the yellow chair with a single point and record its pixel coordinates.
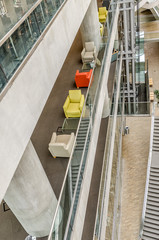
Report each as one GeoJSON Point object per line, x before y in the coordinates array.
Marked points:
{"type": "Point", "coordinates": [102, 14]}
{"type": "Point", "coordinates": [74, 104]}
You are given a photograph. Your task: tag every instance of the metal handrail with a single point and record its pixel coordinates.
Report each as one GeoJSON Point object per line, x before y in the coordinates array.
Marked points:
{"type": "Point", "coordinates": [21, 20]}
{"type": "Point", "coordinates": [34, 46]}
{"type": "Point", "coordinates": [110, 154]}
{"type": "Point", "coordinates": [77, 182]}
{"type": "Point", "coordinates": [58, 204]}
{"type": "Point", "coordinates": [148, 172]}
{"type": "Point", "coordinates": [70, 159]}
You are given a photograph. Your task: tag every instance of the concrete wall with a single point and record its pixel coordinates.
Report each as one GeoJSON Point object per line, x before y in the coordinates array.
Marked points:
{"type": "Point", "coordinates": [22, 105]}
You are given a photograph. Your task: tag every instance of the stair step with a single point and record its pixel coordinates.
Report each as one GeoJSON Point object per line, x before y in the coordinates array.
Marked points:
{"type": "Point", "coordinates": [151, 225]}
{"type": "Point", "coordinates": [154, 174]}
{"type": "Point", "coordinates": [153, 203]}
{"type": "Point", "coordinates": [154, 169]}
{"type": "Point", "coordinates": [153, 235]}
{"type": "Point", "coordinates": [152, 194]}
{"type": "Point", "coordinates": [154, 217]}
{"type": "Point", "coordinates": [152, 207]}
{"type": "Point", "coordinates": [155, 178]}
{"type": "Point", "coordinates": [147, 238]}
{"type": "Point", "coordinates": [151, 221]}
{"type": "Point", "coordinates": [154, 182]}
{"type": "Point", "coordinates": [155, 134]}
{"type": "Point", "coordinates": [155, 138]}
{"type": "Point", "coordinates": [153, 199]}
{"type": "Point", "coordinates": [151, 186]}
{"type": "Point", "coordinates": [155, 149]}
{"type": "Point", "coordinates": [155, 145]}
{"type": "Point", "coordinates": [150, 230]}
{"type": "Point", "coordinates": [153, 212]}
{"type": "Point", "coordinates": [153, 190]}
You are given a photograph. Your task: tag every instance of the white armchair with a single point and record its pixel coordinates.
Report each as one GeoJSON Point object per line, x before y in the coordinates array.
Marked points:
{"type": "Point", "coordinates": [61, 145]}
{"type": "Point", "coordinates": [89, 53]}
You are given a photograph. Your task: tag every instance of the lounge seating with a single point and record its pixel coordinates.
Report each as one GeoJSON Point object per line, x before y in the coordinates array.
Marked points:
{"type": "Point", "coordinates": [61, 145]}
{"type": "Point", "coordinates": [102, 14]}
{"type": "Point", "coordinates": [89, 53]}
{"type": "Point", "coordinates": [82, 79]}
{"type": "Point", "coordinates": [150, 82]}
{"type": "Point", "coordinates": [74, 104]}
{"type": "Point", "coordinates": [151, 96]}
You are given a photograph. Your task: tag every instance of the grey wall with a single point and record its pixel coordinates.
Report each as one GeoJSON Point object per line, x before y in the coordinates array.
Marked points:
{"type": "Point", "coordinates": [22, 105]}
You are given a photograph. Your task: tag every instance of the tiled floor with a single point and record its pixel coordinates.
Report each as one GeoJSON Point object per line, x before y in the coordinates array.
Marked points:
{"type": "Point", "coordinates": [135, 157]}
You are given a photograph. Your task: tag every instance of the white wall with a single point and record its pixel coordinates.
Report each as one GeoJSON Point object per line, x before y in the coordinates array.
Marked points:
{"type": "Point", "coordinates": [23, 103]}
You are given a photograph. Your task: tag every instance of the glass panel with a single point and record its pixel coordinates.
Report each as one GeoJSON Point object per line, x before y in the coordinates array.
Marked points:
{"type": "Point", "coordinates": [8, 58]}
{"type": "Point", "coordinates": [14, 50]}
{"type": "Point", "coordinates": [3, 79]}
{"type": "Point", "coordinates": [13, 11]}
{"type": "Point", "coordinates": [79, 155]}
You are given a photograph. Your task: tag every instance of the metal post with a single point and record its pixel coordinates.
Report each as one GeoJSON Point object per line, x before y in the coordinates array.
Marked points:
{"type": "Point", "coordinates": [29, 28]}
{"type": "Point", "coordinates": [42, 12]}
{"type": "Point", "coordinates": [133, 53]}
{"type": "Point", "coordinates": [125, 17]}
{"type": "Point", "coordinates": [14, 49]}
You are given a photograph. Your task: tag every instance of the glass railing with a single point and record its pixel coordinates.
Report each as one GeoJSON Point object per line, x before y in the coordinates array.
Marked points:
{"type": "Point", "coordinates": [148, 171]}
{"type": "Point", "coordinates": [69, 195]}
{"type": "Point", "coordinates": [99, 214]}
{"type": "Point", "coordinates": [11, 12]}
{"type": "Point", "coordinates": [17, 46]}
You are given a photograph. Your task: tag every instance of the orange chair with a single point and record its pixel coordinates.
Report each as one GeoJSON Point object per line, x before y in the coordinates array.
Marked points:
{"type": "Point", "coordinates": [82, 79]}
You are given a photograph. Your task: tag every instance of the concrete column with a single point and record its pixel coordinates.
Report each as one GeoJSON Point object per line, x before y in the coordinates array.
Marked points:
{"type": "Point", "coordinates": [30, 195]}
{"type": "Point", "coordinates": [1, 28]}
{"type": "Point", "coordinates": [90, 27]}
{"type": "Point", "coordinates": [11, 11]}
{"type": "Point", "coordinates": [24, 6]}
{"type": "Point", "coordinates": [106, 109]}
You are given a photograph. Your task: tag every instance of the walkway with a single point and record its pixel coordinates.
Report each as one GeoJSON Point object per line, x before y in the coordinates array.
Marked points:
{"type": "Point", "coordinates": [52, 117]}
{"type": "Point", "coordinates": [135, 157]}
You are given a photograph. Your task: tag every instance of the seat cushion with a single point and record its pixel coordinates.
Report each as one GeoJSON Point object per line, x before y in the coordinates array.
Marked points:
{"type": "Point", "coordinates": [89, 46]}
{"type": "Point", "coordinates": [63, 139]}
{"type": "Point", "coordinates": [102, 17]}
{"type": "Point", "coordinates": [102, 10]}
{"type": "Point", "coordinates": [73, 108]}
{"type": "Point", "coordinates": [75, 96]}
{"type": "Point", "coordinates": [88, 56]}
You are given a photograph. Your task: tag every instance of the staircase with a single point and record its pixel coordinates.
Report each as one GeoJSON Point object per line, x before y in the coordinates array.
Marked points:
{"type": "Point", "coordinates": [151, 221]}
{"type": "Point", "coordinates": [78, 151]}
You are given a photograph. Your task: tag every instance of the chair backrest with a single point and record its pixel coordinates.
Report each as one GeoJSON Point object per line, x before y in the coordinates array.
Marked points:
{"type": "Point", "coordinates": [102, 10]}
{"type": "Point", "coordinates": [89, 46]}
{"type": "Point", "coordinates": [75, 96]}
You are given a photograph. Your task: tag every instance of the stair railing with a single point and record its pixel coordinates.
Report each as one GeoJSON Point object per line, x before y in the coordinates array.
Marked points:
{"type": "Point", "coordinates": [148, 172]}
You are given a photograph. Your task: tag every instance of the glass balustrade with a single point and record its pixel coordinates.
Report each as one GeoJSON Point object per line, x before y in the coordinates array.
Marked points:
{"type": "Point", "coordinates": [11, 12]}
{"type": "Point", "coordinates": [70, 191]}
{"type": "Point", "coordinates": [16, 47]}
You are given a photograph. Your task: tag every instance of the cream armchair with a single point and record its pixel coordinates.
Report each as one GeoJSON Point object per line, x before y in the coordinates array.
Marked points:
{"type": "Point", "coordinates": [61, 145]}
{"type": "Point", "coordinates": [89, 52]}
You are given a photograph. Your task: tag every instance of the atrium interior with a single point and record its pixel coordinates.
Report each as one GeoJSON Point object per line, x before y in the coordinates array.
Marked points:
{"type": "Point", "coordinates": [108, 186]}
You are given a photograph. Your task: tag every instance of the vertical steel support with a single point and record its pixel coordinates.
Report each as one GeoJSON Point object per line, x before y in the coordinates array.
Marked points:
{"type": "Point", "coordinates": [125, 18]}
{"type": "Point", "coordinates": [14, 49]}
{"type": "Point", "coordinates": [42, 12]}
{"type": "Point", "coordinates": [133, 52]}
{"type": "Point", "coordinates": [29, 27]}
